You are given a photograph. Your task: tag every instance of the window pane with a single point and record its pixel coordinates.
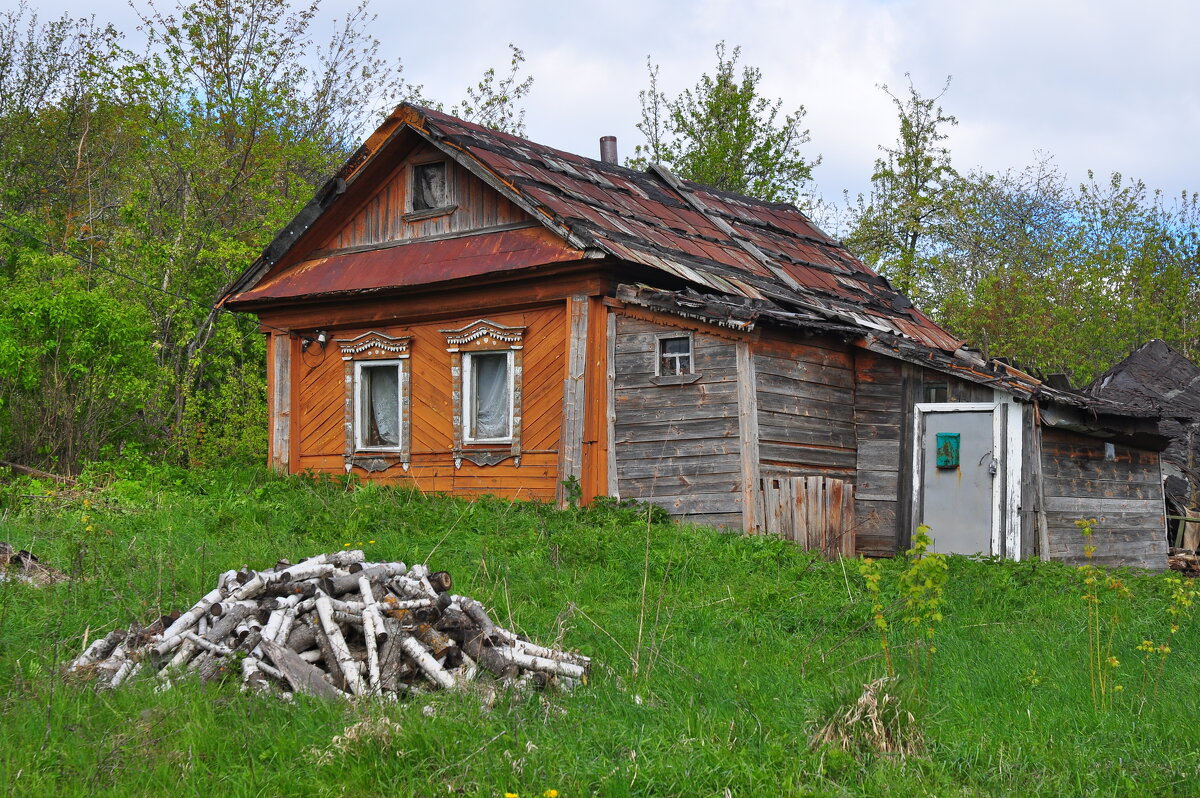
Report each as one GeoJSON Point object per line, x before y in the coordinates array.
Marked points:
{"type": "Point", "coordinates": [429, 186]}
{"type": "Point", "coordinates": [675, 346]}
{"type": "Point", "coordinates": [674, 356]}
{"type": "Point", "coordinates": [380, 413]}
{"type": "Point", "coordinates": [490, 405]}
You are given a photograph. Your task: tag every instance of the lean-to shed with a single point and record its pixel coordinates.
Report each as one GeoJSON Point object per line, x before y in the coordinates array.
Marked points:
{"type": "Point", "coordinates": [472, 312]}
{"type": "Point", "coordinates": [1156, 376]}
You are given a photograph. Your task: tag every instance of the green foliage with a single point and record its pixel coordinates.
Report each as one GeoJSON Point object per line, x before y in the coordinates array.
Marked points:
{"type": "Point", "coordinates": [923, 586]}
{"type": "Point", "coordinates": [1070, 279]}
{"type": "Point", "coordinates": [724, 134]}
{"type": "Point", "coordinates": [168, 171]}
{"type": "Point", "coordinates": [496, 103]}
{"type": "Point", "coordinates": [75, 374]}
{"type": "Point", "coordinates": [1023, 265]}
{"type": "Point", "coordinates": [911, 193]}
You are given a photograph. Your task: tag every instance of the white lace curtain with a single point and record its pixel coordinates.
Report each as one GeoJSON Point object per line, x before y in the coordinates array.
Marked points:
{"type": "Point", "coordinates": [490, 389]}
{"type": "Point", "coordinates": [383, 412]}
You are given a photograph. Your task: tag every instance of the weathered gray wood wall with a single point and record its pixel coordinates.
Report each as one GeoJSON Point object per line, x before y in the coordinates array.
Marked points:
{"type": "Point", "coordinates": [805, 396]}
{"type": "Point", "coordinates": [1124, 495]}
{"type": "Point", "coordinates": [879, 418]}
{"type": "Point", "coordinates": [885, 392]}
{"type": "Point", "coordinates": [677, 445]}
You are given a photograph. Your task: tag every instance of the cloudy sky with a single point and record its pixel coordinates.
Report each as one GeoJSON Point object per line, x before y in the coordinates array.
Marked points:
{"type": "Point", "coordinates": [1097, 84]}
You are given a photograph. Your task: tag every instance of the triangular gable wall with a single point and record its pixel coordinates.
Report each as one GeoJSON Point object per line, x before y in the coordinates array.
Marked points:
{"type": "Point", "coordinates": [386, 216]}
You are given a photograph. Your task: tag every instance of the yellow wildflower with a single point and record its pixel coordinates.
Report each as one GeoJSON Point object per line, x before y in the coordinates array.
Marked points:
{"type": "Point", "coordinates": [550, 793]}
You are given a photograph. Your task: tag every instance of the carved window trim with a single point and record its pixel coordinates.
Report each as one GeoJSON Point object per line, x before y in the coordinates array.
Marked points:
{"type": "Point", "coordinates": [485, 336]}
{"type": "Point", "coordinates": [366, 350]}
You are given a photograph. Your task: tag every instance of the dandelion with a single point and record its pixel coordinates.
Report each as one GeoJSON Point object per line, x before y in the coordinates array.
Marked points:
{"type": "Point", "coordinates": [510, 795]}
{"type": "Point", "coordinates": [370, 541]}
{"type": "Point", "coordinates": [550, 793]}
{"type": "Point", "coordinates": [346, 545]}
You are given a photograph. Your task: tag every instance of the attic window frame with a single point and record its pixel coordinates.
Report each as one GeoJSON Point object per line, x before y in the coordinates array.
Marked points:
{"type": "Point", "coordinates": [692, 375]}
{"type": "Point", "coordinates": [412, 214]}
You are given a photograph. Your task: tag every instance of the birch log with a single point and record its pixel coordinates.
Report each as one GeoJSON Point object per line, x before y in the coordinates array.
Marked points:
{"type": "Point", "coordinates": [338, 643]}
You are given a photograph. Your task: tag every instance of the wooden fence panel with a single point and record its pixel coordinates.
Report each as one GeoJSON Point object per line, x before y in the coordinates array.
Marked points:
{"type": "Point", "coordinates": [815, 511]}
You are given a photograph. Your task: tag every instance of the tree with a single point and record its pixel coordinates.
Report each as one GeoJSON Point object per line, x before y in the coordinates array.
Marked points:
{"type": "Point", "coordinates": [161, 175]}
{"type": "Point", "coordinates": [496, 103]}
{"type": "Point", "coordinates": [912, 186]}
{"type": "Point", "coordinates": [724, 134]}
{"type": "Point", "coordinates": [1066, 279]}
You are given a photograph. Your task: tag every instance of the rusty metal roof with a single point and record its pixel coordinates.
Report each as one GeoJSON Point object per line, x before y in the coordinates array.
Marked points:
{"type": "Point", "coordinates": [411, 263]}
{"type": "Point", "coordinates": [717, 240]}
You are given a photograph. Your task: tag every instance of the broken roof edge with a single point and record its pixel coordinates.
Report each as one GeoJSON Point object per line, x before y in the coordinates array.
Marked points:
{"type": "Point", "coordinates": [963, 363]}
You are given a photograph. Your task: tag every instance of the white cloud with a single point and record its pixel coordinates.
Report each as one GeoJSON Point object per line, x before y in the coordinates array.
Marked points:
{"type": "Point", "coordinates": [1099, 84]}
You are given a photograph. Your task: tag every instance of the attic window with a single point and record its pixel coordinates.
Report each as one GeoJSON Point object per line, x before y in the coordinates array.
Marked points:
{"type": "Point", "coordinates": [429, 189]}
{"type": "Point", "coordinates": [936, 392]}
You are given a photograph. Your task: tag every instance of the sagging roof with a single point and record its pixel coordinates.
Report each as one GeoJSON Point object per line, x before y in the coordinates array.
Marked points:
{"type": "Point", "coordinates": [718, 241]}
{"type": "Point", "coordinates": [1156, 377]}
{"type": "Point", "coordinates": [1097, 414]}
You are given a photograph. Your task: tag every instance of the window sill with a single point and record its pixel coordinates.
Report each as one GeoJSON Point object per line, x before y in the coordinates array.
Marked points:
{"type": "Point", "coordinates": [429, 213]}
{"type": "Point", "coordinates": [674, 379]}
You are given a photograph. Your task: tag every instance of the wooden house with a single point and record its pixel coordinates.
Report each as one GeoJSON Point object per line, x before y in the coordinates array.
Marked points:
{"type": "Point", "coordinates": [1157, 377]}
{"type": "Point", "coordinates": [471, 312]}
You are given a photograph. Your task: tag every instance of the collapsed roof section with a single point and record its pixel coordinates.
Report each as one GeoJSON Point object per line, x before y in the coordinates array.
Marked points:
{"type": "Point", "coordinates": [1074, 410]}
{"type": "Point", "coordinates": [1156, 378]}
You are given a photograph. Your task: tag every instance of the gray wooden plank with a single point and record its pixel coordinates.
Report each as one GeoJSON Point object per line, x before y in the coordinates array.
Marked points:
{"type": "Point", "coordinates": [1087, 506]}
{"type": "Point", "coordinates": [806, 455]}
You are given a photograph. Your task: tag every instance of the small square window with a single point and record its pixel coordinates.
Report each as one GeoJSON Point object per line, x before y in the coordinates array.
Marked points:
{"type": "Point", "coordinates": [488, 387]}
{"type": "Point", "coordinates": [936, 392]}
{"type": "Point", "coordinates": [429, 190]}
{"type": "Point", "coordinates": [674, 356]}
{"type": "Point", "coordinates": [377, 405]}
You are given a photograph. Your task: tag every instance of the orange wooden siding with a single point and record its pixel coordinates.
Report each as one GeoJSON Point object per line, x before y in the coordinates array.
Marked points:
{"type": "Point", "coordinates": [322, 401]}
{"type": "Point", "coordinates": [380, 219]}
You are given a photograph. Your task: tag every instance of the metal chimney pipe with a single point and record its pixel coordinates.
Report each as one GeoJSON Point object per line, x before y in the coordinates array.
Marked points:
{"type": "Point", "coordinates": [608, 149]}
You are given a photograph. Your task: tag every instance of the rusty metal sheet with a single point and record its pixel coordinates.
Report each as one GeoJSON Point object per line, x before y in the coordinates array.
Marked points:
{"type": "Point", "coordinates": [681, 228]}
{"type": "Point", "coordinates": [418, 263]}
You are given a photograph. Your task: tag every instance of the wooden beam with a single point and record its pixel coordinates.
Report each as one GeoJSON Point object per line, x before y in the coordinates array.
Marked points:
{"type": "Point", "coordinates": [610, 404]}
{"type": "Point", "coordinates": [748, 438]}
{"type": "Point", "coordinates": [574, 394]}
{"type": "Point", "coordinates": [281, 401]}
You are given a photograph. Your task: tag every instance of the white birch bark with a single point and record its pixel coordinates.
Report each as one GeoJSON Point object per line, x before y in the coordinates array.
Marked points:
{"type": "Point", "coordinates": [338, 643]}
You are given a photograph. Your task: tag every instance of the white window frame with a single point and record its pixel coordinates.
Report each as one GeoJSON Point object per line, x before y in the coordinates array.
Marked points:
{"type": "Point", "coordinates": [468, 383]}
{"type": "Point", "coordinates": [359, 426]}
{"type": "Point", "coordinates": [660, 342]}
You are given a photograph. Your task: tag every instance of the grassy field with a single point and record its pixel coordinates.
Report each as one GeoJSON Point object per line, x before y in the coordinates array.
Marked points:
{"type": "Point", "coordinates": [718, 657]}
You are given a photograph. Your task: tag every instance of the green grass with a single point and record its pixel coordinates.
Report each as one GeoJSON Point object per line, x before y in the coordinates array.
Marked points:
{"type": "Point", "coordinates": [747, 645]}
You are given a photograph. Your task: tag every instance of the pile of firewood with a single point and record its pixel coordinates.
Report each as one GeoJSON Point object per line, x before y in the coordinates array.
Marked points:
{"type": "Point", "coordinates": [1185, 561]}
{"type": "Point", "coordinates": [334, 626]}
